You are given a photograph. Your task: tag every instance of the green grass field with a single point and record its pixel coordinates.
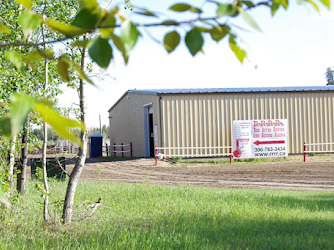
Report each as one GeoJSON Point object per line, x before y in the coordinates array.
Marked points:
{"type": "Point", "coordinates": [145, 216]}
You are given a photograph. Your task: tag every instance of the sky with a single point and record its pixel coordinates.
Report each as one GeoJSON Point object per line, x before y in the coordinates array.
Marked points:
{"type": "Point", "coordinates": [294, 48]}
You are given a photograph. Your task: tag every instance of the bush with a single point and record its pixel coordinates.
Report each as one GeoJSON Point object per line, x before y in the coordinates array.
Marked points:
{"type": "Point", "coordinates": [177, 158]}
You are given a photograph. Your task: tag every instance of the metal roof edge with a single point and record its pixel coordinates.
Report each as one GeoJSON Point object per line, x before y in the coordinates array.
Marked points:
{"type": "Point", "coordinates": [118, 100]}
{"type": "Point", "coordinates": [143, 92]}
{"type": "Point", "coordinates": [234, 90]}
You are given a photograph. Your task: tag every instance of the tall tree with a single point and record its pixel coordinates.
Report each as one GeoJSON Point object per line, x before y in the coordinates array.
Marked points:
{"type": "Point", "coordinates": [329, 76]}
{"type": "Point", "coordinates": [79, 165]}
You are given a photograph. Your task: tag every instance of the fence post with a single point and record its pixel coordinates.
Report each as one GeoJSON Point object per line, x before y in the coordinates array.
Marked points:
{"type": "Point", "coordinates": [122, 151]}
{"type": "Point", "coordinates": [107, 149]}
{"type": "Point", "coordinates": [304, 151]}
{"type": "Point", "coordinates": [230, 153]}
{"type": "Point", "coordinates": [114, 151]}
{"type": "Point", "coordinates": [156, 155]}
{"type": "Point", "coordinates": [131, 149]}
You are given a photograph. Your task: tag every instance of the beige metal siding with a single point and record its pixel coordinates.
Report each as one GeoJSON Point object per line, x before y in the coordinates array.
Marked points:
{"type": "Point", "coordinates": [199, 120]}
{"type": "Point", "coordinates": [127, 121]}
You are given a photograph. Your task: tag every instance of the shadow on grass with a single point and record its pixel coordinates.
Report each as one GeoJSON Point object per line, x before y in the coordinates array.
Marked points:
{"type": "Point", "coordinates": [193, 231]}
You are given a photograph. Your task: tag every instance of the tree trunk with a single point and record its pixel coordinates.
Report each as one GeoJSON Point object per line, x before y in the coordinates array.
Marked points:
{"type": "Point", "coordinates": [11, 164]}
{"type": "Point", "coordinates": [21, 176]}
{"type": "Point", "coordinates": [45, 178]}
{"type": "Point", "coordinates": [45, 139]}
{"type": "Point", "coordinates": [80, 163]}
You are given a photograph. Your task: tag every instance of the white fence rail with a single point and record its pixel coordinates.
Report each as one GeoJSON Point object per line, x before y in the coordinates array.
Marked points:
{"type": "Point", "coordinates": [122, 149]}
{"type": "Point", "coordinates": [191, 155]}
{"type": "Point", "coordinates": [316, 144]}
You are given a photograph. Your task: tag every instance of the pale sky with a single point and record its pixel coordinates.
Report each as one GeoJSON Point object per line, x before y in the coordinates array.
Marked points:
{"type": "Point", "coordinates": [294, 49]}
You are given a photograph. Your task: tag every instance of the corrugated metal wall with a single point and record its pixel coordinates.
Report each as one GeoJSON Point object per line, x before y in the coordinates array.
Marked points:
{"type": "Point", "coordinates": [127, 121]}
{"type": "Point", "coordinates": [202, 120]}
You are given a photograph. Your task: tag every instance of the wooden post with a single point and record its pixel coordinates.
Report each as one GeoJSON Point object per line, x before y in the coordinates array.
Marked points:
{"type": "Point", "coordinates": [156, 155]}
{"type": "Point", "coordinates": [131, 149]}
{"type": "Point", "coordinates": [304, 151]}
{"type": "Point", "coordinates": [230, 153]}
{"type": "Point", "coordinates": [107, 149]}
{"type": "Point", "coordinates": [122, 151]}
{"type": "Point", "coordinates": [114, 151]}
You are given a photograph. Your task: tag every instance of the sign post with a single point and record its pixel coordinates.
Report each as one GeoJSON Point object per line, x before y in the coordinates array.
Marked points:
{"type": "Point", "coordinates": [260, 138]}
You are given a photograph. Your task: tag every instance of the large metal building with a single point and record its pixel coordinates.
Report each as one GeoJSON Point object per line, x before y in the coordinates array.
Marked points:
{"type": "Point", "coordinates": [203, 117]}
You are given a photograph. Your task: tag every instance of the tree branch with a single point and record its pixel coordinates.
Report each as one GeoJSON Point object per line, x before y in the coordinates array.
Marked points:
{"type": "Point", "coordinates": [16, 44]}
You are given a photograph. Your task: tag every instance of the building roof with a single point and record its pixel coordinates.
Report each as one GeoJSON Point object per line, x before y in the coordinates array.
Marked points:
{"type": "Point", "coordinates": [233, 90]}
{"type": "Point", "coordinates": [226, 91]}
{"type": "Point", "coordinates": [95, 135]}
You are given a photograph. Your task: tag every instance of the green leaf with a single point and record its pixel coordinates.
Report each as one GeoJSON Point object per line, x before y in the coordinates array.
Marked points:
{"type": "Point", "coordinates": [67, 30]}
{"type": "Point", "coordinates": [203, 29]}
{"type": "Point", "coordinates": [29, 22]}
{"type": "Point", "coordinates": [180, 7]}
{"type": "Point", "coordinates": [249, 19]}
{"type": "Point", "coordinates": [170, 23]}
{"type": "Point", "coordinates": [194, 41]}
{"type": "Point", "coordinates": [239, 53]}
{"type": "Point", "coordinates": [82, 74]}
{"type": "Point", "coordinates": [35, 55]}
{"type": "Point", "coordinates": [129, 35]}
{"type": "Point", "coordinates": [225, 10]}
{"type": "Point", "coordinates": [249, 4]}
{"type": "Point", "coordinates": [196, 10]}
{"type": "Point", "coordinates": [81, 43]}
{"type": "Point", "coordinates": [5, 127]}
{"type": "Point", "coordinates": [274, 8]}
{"type": "Point", "coordinates": [86, 19]}
{"type": "Point", "coordinates": [62, 68]}
{"type": "Point", "coordinates": [15, 58]}
{"type": "Point", "coordinates": [25, 3]}
{"type": "Point", "coordinates": [59, 123]}
{"type": "Point", "coordinates": [106, 32]}
{"type": "Point", "coordinates": [284, 3]}
{"type": "Point", "coordinates": [3, 198]}
{"type": "Point", "coordinates": [100, 51]}
{"type": "Point", "coordinates": [22, 105]}
{"type": "Point", "coordinates": [4, 29]}
{"type": "Point", "coordinates": [88, 4]}
{"type": "Point", "coordinates": [144, 12]}
{"type": "Point", "coordinates": [326, 3]}
{"type": "Point", "coordinates": [219, 32]}
{"type": "Point", "coordinates": [120, 46]}
{"type": "Point", "coordinates": [171, 41]}
{"type": "Point", "coordinates": [313, 4]}
{"type": "Point", "coordinates": [108, 19]}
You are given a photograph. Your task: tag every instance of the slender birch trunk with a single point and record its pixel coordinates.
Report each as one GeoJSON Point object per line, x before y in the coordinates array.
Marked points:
{"type": "Point", "coordinates": [45, 138]}
{"type": "Point", "coordinates": [80, 163]}
{"type": "Point", "coordinates": [10, 178]}
{"type": "Point", "coordinates": [21, 177]}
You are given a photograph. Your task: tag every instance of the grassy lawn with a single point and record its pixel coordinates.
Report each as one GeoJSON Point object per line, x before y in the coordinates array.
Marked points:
{"type": "Point", "coordinates": [145, 216]}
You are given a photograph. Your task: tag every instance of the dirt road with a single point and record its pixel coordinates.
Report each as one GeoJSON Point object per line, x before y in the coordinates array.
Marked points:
{"type": "Point", "coordinates": [316, 174]}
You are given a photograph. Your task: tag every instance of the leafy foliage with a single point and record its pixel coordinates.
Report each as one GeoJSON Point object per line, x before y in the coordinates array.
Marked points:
{"type": "Point", "coordinates": [3, 198]}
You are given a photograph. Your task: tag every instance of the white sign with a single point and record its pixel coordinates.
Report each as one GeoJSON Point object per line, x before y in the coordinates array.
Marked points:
{"type": "Point", "coordinates": [260, 138]}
